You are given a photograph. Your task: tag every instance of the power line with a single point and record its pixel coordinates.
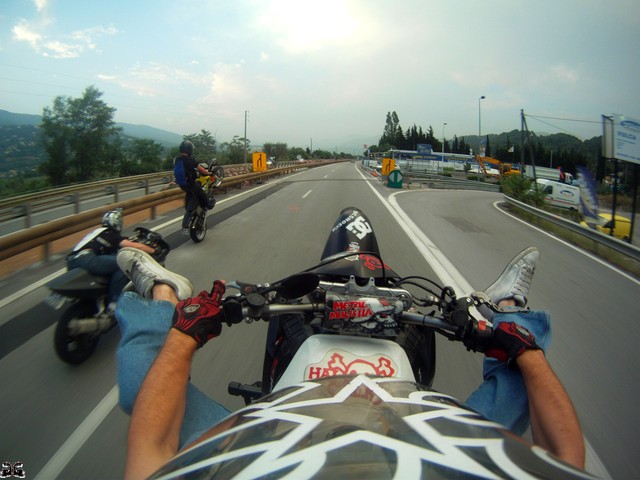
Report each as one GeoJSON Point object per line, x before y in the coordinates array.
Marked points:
{"type": "Point", "coordinates": [539, 119]}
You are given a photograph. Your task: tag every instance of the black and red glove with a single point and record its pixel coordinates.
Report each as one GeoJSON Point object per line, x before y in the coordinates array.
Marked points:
{"type": "Point", "coordinates": [510, 340]}
{"type": "Point", "coordinates": [201, 317]}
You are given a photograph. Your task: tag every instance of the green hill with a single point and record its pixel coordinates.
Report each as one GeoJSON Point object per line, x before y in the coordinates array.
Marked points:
{"type": "Point", "coordinates": [21, 148]}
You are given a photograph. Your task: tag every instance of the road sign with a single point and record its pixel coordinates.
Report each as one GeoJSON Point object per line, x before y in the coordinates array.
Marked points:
{"type": "Point", "coordinates": [259, 160]}
{"type": "Point", "coordinates": [388, 164]}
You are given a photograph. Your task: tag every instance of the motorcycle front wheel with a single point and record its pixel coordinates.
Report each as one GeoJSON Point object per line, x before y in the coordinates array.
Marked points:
{"type": "Point", "coordinates": [218, 174]}
{"type": "Point", "coordinates": [75, 349]}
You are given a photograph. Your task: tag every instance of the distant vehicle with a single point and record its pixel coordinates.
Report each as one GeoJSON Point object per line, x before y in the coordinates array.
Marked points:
{"type": "Point", "coordinates": [560, 194]}
{"type": "Point", "coordinates": [621, 230]}
{"type": "Point", "coordinates": [548, 174]}
{"type": "Point", "coordinates": [496, 167]}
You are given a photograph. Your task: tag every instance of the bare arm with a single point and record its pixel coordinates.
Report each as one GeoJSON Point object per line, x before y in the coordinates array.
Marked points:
{"type": "Point", "coordinates": [554, 423]}
{"type": "Point", "coordinates": [139, 246]}
{"type": "Point", "coordinates": [159, 409]}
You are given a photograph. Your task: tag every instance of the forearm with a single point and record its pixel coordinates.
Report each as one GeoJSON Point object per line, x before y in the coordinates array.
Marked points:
{"type": "Point", "coordinates": [554, 423]}
{"type": "Point", "coordinates": [140, 246]}
{"type": "Point", "coordinates": [159, 409]}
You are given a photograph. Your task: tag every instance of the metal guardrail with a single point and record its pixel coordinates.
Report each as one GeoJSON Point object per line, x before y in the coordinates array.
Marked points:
{"type": "Point", "coordinates": [44, 234]}
{"type": "Point", "coordinates": [432, 180]}
{"type": "Point", "coordinates": [28, 204]}
{"type": "Point", "coordinates": [442, 181]}
{"type": "Point", "coordinates": [619, 246]}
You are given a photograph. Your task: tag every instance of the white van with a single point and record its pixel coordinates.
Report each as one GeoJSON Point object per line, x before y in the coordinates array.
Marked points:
{"type": "Point", "coordinates": [560, 194]}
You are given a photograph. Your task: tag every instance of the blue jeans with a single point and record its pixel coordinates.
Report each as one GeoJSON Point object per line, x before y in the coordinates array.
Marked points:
{"type": "Point", "coordinates": [144, 325]}
{"type": "Point", "coordinates": [502, 397]}
{"type": "Point", "coordinates": [105, 265]}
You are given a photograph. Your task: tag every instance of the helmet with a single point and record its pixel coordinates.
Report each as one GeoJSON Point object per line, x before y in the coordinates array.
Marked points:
{"type": "Point", "coordinates": [113, 219]}
{"type": "Point", "coordinates": [186, 147]}
{"type": "Point", "coordinates": [360, 427]}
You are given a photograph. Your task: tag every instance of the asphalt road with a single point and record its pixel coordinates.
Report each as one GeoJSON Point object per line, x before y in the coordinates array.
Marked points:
{"type": "Point", "coordinates": [62, 421]}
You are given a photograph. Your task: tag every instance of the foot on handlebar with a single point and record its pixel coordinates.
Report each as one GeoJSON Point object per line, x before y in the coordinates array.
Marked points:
{"type": "Point", "coordinates": [515, 280]}
{"type": "Point", "coordinates": [145, 272]}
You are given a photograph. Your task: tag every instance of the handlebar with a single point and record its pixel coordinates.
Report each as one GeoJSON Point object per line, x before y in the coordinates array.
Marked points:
{"type": "Point", "coordinates": [453, 318]}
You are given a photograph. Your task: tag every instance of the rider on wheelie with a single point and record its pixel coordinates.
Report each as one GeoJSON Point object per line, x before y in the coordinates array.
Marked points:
{"type": "Point", "coordinates": [169, 410]}
{"type": "Point", "coordinates": [97, 251]}
{"type": "Point", "coordinates": [186, 169]}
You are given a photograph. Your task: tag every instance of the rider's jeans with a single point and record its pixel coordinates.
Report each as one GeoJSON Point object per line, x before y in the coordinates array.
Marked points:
{"type": "Point", "coordinates": [144, 325]}
{"type": "Point", "coordinates": [102, 265]}
{"type": "Point", "coordinates": [502, 397]}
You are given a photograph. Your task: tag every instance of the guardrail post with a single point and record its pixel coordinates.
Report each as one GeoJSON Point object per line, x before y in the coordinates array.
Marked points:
{"type": "Point", "coordinates": [116, 196]}
{"type": "Point", "coordinates": [76, 203]}
{"type": "Point", "coordinates": [153, 212]}
{"type": "Point", "coordinates": [146, 187]}
{"type": "Point", "coordinates": [27, 215]}
{"type": "Point", "coordinates": [46, 251]}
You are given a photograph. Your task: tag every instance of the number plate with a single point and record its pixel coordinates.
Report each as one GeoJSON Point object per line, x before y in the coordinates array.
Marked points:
{"type": "Point", "coordinates": [56, 301]}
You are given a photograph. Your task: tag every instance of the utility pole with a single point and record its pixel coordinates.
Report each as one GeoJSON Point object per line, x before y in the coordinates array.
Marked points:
{"type": "Point", "coordinates": [245, 136]}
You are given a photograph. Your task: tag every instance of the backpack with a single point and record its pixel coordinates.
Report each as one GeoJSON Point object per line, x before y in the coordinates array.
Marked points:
{"type": "Point", "coordinates": [179, 172]}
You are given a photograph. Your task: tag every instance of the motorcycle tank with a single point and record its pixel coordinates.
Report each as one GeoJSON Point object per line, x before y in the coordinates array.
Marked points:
{"type": "Point", "coordinates": [79, 283]}
{"type": "Point", "coordinates": [361, 427]}
{"type": "Point", "coordinates": [352, 232]}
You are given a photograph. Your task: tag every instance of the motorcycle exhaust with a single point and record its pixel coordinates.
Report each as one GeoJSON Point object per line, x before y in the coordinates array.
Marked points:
{"type": "Point", "coordinates": [80, 326]}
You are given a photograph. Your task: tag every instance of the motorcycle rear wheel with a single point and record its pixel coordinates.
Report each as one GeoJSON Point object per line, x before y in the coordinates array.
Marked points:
{"type": "Point", "coordinates": [198, 228]}
{"type": "Point", "coordinates": [75, 349]}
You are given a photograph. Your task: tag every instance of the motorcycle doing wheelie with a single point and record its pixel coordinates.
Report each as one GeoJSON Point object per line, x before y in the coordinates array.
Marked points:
{"type": "Point", "coordinates": [81, 297]}
{"type": "Point", "coordinates": [345, 383]}
{"type": "Point", "coordinates": [198, 213]}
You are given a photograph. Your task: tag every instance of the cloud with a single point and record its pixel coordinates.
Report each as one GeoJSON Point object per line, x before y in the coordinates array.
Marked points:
{"type": "Point", "coordinates": [23, 32]}
{"type": "Point", "coordinates": [41, 4]}
{"type": "Point", "coordinates": [35, 33]}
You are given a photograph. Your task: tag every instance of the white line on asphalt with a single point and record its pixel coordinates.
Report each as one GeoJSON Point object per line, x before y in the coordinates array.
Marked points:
{"type": "Point", "coordinates": [570, 245]}
{"type": "Point", "coordinates": [67, 451]}
{"type": "Point", "coordinates": [449, 275]}
{"type": "Point", "coordinates": [307, 194]}
{"type": "Point", "coordinates": [78, 438]}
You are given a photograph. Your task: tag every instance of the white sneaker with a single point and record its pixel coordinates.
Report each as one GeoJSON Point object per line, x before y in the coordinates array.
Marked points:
{"type": "Point", "coordinates": [515, 280]}
{"type": "Point", "coordinates": [145, 272]}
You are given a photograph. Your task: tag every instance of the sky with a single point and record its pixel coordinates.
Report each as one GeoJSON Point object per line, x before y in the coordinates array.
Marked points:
{"type": "Point", "coordinates": [324, 74]}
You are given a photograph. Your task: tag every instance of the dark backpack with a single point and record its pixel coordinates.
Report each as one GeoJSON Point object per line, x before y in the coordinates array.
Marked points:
{"type": "Point", "coordinates": [179, 172]}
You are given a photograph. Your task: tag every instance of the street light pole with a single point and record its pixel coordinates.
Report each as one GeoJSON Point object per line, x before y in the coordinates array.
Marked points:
{"type": "Point", "coordinates": [480, 117]}
{"type": "Point", "coordinates": [443, 125]}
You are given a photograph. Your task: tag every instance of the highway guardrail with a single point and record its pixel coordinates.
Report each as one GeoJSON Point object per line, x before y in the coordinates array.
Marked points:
{"type": "Point", "coordinates": [42, 235]}
{"type": "Point", "coordinates": [613, 243]}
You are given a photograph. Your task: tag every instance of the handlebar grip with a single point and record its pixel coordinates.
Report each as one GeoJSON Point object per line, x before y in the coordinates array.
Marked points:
{"type": "Point", "coordinates": [232, 311]}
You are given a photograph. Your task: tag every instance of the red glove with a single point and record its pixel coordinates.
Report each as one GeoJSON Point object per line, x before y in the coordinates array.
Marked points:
{"type": "Point", "coordinates": [201, 317]}
{"type": "Point", "coordinates": [510, 340]}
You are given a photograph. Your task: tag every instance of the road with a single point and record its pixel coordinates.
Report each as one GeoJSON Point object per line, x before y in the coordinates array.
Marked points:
{"type": "Point", "coordinates": [62, 421]}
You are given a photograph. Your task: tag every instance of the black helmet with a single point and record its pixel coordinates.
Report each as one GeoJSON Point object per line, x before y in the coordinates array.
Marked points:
{"type": "Point", "coordinates": [186, 147]}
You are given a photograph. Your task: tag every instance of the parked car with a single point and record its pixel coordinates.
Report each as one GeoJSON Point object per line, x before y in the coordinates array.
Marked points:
{"type": "Point", "coordinates": [559, 194]}
{"type": "Point", "coordinates": [622, 227]}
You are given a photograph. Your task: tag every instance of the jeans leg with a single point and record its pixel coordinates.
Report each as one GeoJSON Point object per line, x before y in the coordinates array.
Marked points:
{"type": "Point", "coordinates": [502, 397]}
{"type": "Point", "coordinates": [144, 325]}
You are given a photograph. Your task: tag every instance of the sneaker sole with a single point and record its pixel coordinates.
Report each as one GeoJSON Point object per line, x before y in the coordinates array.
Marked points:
{"type": "Point", "coordinates": [164, 276]}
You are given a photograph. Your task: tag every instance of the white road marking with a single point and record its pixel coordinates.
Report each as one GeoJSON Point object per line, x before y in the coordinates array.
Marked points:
{"type": "Point", "coordinates": [307, 194]}
{"type": "Point", "coordinates": [449, 275]}
{"type": "Point", "coordinates": [68, 450]}
{"type": "Point", "coordinates": [570, 245]}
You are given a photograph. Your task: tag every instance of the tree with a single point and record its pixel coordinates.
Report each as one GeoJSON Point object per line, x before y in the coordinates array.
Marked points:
{"type": "Point", "coordinates": [143, 156]}
{"type": "Point", "coordinates": [204, 145]}
{"type": "Point", "coordinates": [233, 152]}
{"type": "Point", "coordinates": [277, 150]}
{"type": "Point", "coordinates": [77, 133]}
